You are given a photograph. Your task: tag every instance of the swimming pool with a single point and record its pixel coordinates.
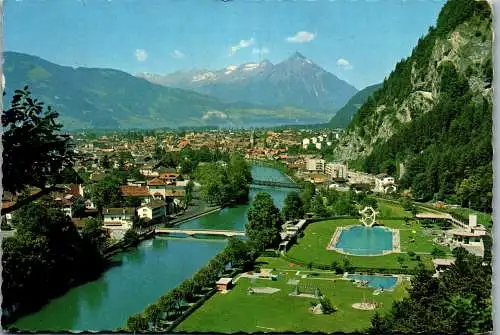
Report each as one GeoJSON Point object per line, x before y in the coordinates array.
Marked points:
{"type": "Point", "coordinates": [364, 241]}
{"type": "Point", "coordinates": [385, 282]}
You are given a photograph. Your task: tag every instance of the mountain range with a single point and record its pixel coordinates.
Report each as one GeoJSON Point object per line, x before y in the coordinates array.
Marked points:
{"type": "Point", "coordinates": [295, 82]}
{"type": "Point", "coordinates": [108, 98]}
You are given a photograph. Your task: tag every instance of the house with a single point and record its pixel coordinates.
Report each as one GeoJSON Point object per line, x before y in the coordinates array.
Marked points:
{"type": "Point", "coordinates": [153, 210]}
{"type": "Point", "coordinates": [147, 171]}
{"type": "Point", "coordinates": [170, 177]}
{"type": "Point", "coordinates": [384, 184]}
{"type": "Point", "coordinates": [441, 264]}
{"type": "Point", "coordinates": [318, 145]}
{"type": "Point", "coordinates": [224, 284]}
{"type": "Point", "coordinates": [140, 192]}
{"type": "Point", "coordinates": [118, 218]}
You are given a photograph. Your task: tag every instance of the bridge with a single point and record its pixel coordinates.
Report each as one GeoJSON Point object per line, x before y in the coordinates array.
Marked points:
{"type": "Point", "coordinates": [191, 232]}
{"type": "Point", "coordinates": [275, 183]}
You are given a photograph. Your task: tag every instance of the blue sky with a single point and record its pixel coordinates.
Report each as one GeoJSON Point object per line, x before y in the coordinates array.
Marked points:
{"type": "Point", "coordinates": [359, 41]}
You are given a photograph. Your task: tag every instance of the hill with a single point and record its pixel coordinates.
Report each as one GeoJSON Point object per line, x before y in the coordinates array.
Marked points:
{"type": "Point", "coordinates": [107, 98]}
{"type": "Point", "coordinates": [295, 82]}
{"type": "Point", "coordinates": [344, 115]}
{"type": "Point", "coordinates": [431, 122]}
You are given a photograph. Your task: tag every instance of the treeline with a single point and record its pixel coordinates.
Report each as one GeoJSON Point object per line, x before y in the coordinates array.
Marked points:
{"type": "Point", "coordinates": [46, 257]}
{"type": "Point", "coordinates": [324, 203]}
{"type": "Point", "coordinates": [237, 254]}
{"type": "Point", "coordinates": [457, 302]}
{"type": "Point", "coordinates": [188, 158]}
{"type": "Point", "coordinates": [223, 184]}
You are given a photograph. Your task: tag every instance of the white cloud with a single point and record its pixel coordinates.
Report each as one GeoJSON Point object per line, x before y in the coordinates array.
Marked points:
{"type": "Point", "coordinates": [177, 54]}
{"type": "Point", "coordinates": [242, 44]}
{"type": "Point", "coordinates": [261, 51]}
{"type": "Point", "coordinates": [141, 55]}
{"type": "Point", "coordinates": [301, 37]}
{"type": "Point", "coordinates": [344, 63]}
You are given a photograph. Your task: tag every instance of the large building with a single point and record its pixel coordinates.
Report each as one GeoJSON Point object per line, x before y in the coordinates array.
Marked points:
{"type": "Point", "coordinates": [336, 171]}
{"type": "Point", "coordinates": [315, 165]}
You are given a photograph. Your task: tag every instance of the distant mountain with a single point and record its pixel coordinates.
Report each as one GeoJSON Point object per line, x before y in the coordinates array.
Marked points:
{"type": "Point", "coordinates": [107, 98]}
{"type": "Point", "coordinates": [342, 117]}
{"type": "Point", "coordinates": [295, 82]}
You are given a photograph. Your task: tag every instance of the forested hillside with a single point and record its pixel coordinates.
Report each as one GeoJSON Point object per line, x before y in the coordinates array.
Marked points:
{"type": "Point", "coordinates": [431, 122]}
{"type": "Point", "coordinates": [343, 116]}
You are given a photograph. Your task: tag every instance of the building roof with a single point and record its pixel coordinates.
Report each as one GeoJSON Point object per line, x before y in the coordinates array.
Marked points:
{"type": "Point", "coordinates": [156, 182]}
{"type": "Point", "coordinates": [154, 204]}
{"type": "Point", "coordinates": [224, 281]}
{"type": "Point", "coordinates": [134, 191]}
{"type": "Point", "coordinates": [443, 262]}
{"type": "Point", "coordinates": [433, 216]}
{"type": "Point", "coordinates": [463, 232]}
{"type": "Point", "coordinates": [116, 211]}
{"type": "Point", "coordinates": [175, 193]}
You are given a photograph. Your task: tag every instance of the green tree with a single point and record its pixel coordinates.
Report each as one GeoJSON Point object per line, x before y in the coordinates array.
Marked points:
{"type": "Point", "coordinates": [318, 207]}
{"type": "Point", "coordinates": [239, 177]}
{"type": "Point", "coordinates": [78, 208]}
{"type": "Point", "coordinates": [137, 323]}
{"type": "Point", "coordinates": [105, 162]}
{"type": "Point", "coordinates": [326, 305]}
{"type": "Point", "coordinates": [130, 237]}
{"type": "Point", "coordinates": [94, 233]}
{"type": "Point", "coordinates": [34, 148]}
{"type": "Point", "coordinates": [189, 192]}
{"type": "Point", "coordinates": [152, 313]}
{"type": "Point", "coordinates": [294, 207]}
{"type": "Point", "coordinates": [264, 222]}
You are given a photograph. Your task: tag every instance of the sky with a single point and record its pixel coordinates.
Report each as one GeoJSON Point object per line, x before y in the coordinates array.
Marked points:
{"type": "Point", "coordinates": [360, 41]}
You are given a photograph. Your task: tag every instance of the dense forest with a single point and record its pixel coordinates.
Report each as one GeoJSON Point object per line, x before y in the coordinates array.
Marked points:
{"type": "Point", "coordinates": [446, 151]}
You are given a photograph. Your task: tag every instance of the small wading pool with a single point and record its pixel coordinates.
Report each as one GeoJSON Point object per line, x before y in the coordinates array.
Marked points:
{"type": "Point", "coordinates": [384, 282]}
{"type": "Point", "coordinates": [365, 241]}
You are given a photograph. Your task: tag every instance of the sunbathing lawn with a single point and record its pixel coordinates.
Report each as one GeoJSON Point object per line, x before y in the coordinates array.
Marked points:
{"type": "Point", "coordinates": [317, 235]}
{"type": "Point", "coordinates": [389, 209]}
{"type": "Point", "coordinates": [237, 311]}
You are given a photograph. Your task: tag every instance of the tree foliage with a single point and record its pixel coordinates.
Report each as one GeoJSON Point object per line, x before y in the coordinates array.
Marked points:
{"type": "Point", "coordinates": [457, 302]}
{"type": "Point", "coordinates": [46, 251]}
{"type": "Point", "coordinates": [34, 149]}
{"type": "Point", "coordinates": [294, 207]}
{"type": "Point", "coordinates": [264, 222]}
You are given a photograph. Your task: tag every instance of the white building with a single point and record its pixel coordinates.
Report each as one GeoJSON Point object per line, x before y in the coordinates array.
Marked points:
{"type": "Point", "coordinates": [305, 143]}
{"type": "Point", "coordinates": [152, 210]}
{"type": "Point", "coordinates": [471, 238]}
{"type": "Point", "coordinates": [318, 145]}
{"type": "Point", "coordinates": [336, 170]}
{"type": "Point", "coordinates": [320, 138]}
{"type": "Point", "coordinates": [314, 140]}
{"type": "Point", "coordinates": [315, 165]}
{"type": "Point", "coordinates": [118, 218]}
{"type": "Point", "coordinates": [384, 184]}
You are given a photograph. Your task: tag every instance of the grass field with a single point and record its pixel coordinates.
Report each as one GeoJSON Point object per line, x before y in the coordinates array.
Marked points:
{"type": "Point", "coordinates": [312, 247]}
{"type": "Point", "coordinates": [388, 209]}
{"type": "Point", "coordinates": [237, 311]}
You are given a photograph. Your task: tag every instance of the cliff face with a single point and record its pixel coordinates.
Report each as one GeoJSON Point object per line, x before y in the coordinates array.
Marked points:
{"type": "Point", "coordinates": [415, 86]}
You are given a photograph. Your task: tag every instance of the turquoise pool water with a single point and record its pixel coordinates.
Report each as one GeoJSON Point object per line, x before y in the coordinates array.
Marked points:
{"type": "Point", "coordinates": [365, 241]}
{"type": "Point", "coordinates": [385, 282]}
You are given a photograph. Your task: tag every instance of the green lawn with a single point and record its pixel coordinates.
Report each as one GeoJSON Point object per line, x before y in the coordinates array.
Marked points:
{"type": "Point", "coordinates": [389, 209]}
{"type": "Point", "coordinates": [237, 311]}
{"type": "Point", "coordinates": [312, 247]}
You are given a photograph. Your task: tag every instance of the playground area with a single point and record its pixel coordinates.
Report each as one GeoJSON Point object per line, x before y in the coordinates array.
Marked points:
{"type": "Point", "coordinates": [285, 304]}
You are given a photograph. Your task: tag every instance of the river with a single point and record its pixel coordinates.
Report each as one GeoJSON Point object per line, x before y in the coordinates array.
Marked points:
{"type": "Point", "coordinates": [147, 272]}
